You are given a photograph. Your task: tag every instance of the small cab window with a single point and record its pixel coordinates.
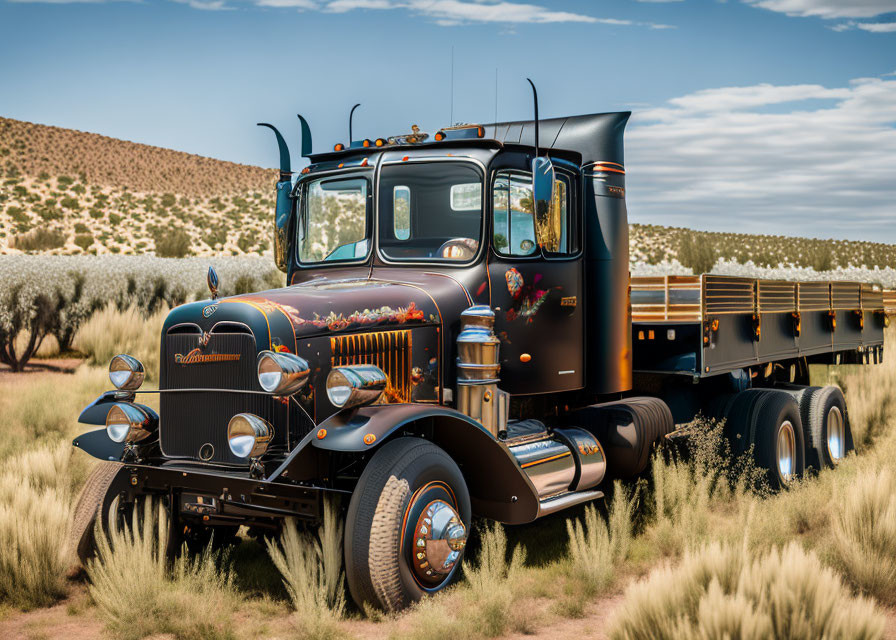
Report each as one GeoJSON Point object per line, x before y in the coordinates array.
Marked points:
{"type": "Point", "coordinates": [334, 220]}
{"type": "Point", "coordinates": [514, 223]}
{"type": "Point", "coordinates": [401, 207]}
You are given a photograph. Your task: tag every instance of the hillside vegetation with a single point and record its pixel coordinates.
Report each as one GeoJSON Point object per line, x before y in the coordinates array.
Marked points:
{"type": "Point", "coordinates": [74, 193]}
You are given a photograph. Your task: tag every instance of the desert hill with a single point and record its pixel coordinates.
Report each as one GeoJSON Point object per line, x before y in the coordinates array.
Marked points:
{"type": "Point", "coordinates": [69, 192]}
{"type": "Point", "coordinates": [34, 149]}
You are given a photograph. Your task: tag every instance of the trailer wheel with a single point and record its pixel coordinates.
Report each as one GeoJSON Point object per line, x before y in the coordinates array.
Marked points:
{"type": "Point", "coordinates": [87, 505]}
{"type": "Point", "coordinates": [776, 432]}
{"type": "Point", "coordinates": [829, 436]}
{"type": "Point", "coordinates": [406, 525]}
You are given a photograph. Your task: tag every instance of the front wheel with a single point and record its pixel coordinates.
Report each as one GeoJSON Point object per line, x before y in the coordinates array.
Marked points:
{"type": "Point", "coordinates": [406, 526]}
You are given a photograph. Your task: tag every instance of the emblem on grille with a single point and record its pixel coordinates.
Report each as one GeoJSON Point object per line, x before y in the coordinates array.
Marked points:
{"type": "Point", "coordinates": [206, 451]}
{"type": "Point", "coordinates": [197, 357]}
{"type": "Point", "coordinates": [209, 310]}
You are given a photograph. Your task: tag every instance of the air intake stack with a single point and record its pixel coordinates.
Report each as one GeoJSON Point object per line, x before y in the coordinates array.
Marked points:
{"type": "Point", "coordinates": [478, 367]}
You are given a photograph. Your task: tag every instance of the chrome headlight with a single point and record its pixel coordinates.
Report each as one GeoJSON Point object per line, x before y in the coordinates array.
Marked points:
{"type": "Point", "coordinates": [129, 423]}
{"type": "Point", "coordinates": [282, 374]}
{"type": "Point", "coordinates": [248, 435]}
{"type": "Point", "coordinates": [355, 385]}
{"type": "Point", "coordinates": [126, 372]}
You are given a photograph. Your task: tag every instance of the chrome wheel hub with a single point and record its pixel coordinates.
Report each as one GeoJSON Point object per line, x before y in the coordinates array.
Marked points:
{"type": "Point", "coordinates": [439, 540]}
{"type": "Point", "coordinates": [786, 450]}
{"type": "Point", "coordinates": [836, 434]}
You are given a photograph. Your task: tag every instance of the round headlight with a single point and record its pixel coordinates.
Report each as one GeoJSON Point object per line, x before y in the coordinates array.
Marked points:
{"type": "Point", "coordinates": [129, 423]}
{"type": "Point", "coordinates": [282, 374]}
{"type": "Point", "coordinates": [248, 435]}
{"type": "Point", "coordinates": [355, 385]}
{"type": "Point", "coordinates": [126, 372]}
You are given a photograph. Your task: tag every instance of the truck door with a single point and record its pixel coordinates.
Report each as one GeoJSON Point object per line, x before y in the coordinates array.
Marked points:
{"type": "Point", "coordinates": [536, 292]}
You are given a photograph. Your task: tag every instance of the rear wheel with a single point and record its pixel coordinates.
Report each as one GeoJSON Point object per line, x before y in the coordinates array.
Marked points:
{"type": "Point", "coordinates": [830, 437]}
{"type": "Point", "coordinates": [778, 445]}
{"type": "Point", "coordinates": [406, 526]}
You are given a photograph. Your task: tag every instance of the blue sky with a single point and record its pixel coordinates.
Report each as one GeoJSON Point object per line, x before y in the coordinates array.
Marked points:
{"type": "Point", "coordinates": [767, 116]}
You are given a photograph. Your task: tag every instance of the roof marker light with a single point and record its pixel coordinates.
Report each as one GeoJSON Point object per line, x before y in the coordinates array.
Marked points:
{"type": "Point", "coordinates": [380, 142]}
{"type": "Point", "coordinates": [339, 147]}
{"type": "Point", "coordinates": [366, 142]}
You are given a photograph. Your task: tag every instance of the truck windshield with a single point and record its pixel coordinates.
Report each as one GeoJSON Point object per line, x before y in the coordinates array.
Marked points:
{"type": "Point", "coordinates": [430, 211]}
{"type": "Point", "coordinates": [334, 220]}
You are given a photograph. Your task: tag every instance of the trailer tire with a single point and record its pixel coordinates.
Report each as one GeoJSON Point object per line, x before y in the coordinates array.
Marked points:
{"type": "Point", "coordinates": [87, 505]}
{"type": "Point", "coordinates": [776, 433]}
{"type": "Point", "coordinates": [741, 418]}
{"type": "Point", "coordinates": [829, 437]}
{"type": "Point", "coordinates": [406, 481]}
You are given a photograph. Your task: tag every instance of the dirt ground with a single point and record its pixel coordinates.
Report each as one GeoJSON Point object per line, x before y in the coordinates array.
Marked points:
{"type": "Point", "coordinates": [41, 366]}
{"type": "Point", "coordinates": [76, 619]}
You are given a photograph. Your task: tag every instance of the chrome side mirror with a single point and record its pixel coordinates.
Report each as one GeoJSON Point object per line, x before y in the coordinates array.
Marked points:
{"type": "Point", "coordinates": [542, 197]}
{"type": "Point", "coordinates": [212, 280]}
{"type": "Point", "coordinates": [282, 215]}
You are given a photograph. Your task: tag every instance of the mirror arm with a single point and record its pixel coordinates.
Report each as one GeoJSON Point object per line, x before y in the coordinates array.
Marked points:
{"type": "Point", "coordinates": [535, 100]}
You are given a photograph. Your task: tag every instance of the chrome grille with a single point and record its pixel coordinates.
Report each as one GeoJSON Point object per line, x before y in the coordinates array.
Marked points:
{"type": "Point", "coordinates": [389, 350]}
{"type": "Point", "coordinates": [191, 419]}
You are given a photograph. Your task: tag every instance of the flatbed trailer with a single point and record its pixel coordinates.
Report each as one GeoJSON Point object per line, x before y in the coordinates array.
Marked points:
{"type": "Point", "coordinates": [709, 325]}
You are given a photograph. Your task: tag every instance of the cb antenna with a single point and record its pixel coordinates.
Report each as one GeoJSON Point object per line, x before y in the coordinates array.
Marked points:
{"type": "Point", "coordinates": [351, 114]}
{"type": "Point", "coordinates": [535, 100]}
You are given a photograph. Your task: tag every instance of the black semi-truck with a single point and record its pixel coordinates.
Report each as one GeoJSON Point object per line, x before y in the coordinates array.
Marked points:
{"type": "Point", "coordinates": [459, 335]}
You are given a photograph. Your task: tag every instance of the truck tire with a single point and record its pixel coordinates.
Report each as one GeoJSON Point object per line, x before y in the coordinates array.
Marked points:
{"type": "Point", "coordinates": [776, 433]}
{"type": "Point", "coordinates": [406, 525]}
{"type": "Point", "coordinates": [87, 505]}
{"type": "Point", "coordinates": [828, 436]}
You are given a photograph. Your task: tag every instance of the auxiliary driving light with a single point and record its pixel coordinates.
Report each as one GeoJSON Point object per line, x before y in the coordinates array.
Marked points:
{"type": "Point", "coordinates": [282, 374]}
{"type": "Point", "coordinates": [248, 435]}
{"type": "Point", "coordinates": [126, 372]}
{"type": "Point", "coordinates": [355, 385]}
{"type": "Point", "coordinates": [129, 423]}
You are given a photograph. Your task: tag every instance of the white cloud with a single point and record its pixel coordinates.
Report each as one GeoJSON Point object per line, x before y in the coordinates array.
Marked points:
{"type": "Point", "coordinates": [719, 159]}
{"type": "Point", "coordinates": [205, 5]}
{"type": "Point", "coordinates": [828, 8]}
{"type": "Point", "coordinates": [288, 4]}
{"type": "Point", "coordinates": [455, 11]}
{"type": "Point", "coordinates": [877, 27]}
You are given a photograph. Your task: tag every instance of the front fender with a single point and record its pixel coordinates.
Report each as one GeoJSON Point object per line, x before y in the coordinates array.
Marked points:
{"type": "Point", "coordinates": [499, 488]}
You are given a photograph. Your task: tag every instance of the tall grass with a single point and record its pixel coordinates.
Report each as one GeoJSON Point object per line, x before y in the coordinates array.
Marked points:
{"type": "Point", "coordinates": [865, 534]}
{"type": "Point", "coordinates": [596, 548]}
{"type": "Point", "coordinates": [109, 332]}
{"type": "Point", "coordinates": [35, 494]}
{"type": "Point", "coordinates": [138, 594]}
{"type": "Point", "coordinates": [719, 591]}
{"type": "Point", "coordinates": [312, 573]}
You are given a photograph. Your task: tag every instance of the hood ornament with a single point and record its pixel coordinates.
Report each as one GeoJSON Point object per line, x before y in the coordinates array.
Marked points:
{"type": "Point", "coordinates": [212, 280]}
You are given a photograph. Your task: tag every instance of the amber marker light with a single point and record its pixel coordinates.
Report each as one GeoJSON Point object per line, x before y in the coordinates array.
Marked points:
{"type": "Point", "coordinates": [321, 434]}
{"type": "Point", "coordinates": [440, 135]}
{"type": "Point", "coordinates": [339, 147]}
{"type": "Point", "coordinates": [366, 142]}
{"type": "Point", "coordinates": [369, 439]}
{"type": "Point", "coordinates": [380, 142]}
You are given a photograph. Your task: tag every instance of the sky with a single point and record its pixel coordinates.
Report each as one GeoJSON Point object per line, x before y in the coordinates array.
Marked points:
{"type": "Point", "coordinates": [760, 116]}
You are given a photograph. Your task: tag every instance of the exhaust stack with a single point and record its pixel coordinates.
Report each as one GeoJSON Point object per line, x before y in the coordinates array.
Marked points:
{"type": "Point", "coordinates": [478, 367]}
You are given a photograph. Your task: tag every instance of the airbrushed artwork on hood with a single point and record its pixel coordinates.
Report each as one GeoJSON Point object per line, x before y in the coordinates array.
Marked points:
{"type": "Point", "coordinates": [311, 309]}
{"type": "Point", "coordinates": [527, 300]}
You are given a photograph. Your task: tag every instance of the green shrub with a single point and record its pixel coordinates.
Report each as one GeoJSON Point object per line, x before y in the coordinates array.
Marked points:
{"type": "Point", "coordinates": [39, 239]}
{"type": "Point", "coordinates": [174, 243]}
{"type": "Point", "coordinates": [84, 240]}
{"type": "Point", "coordinates": [71, 203]}
{"type": "Point", "coordinates": [17, 214]}
{"type": "Point", "coordinates": [80, 227]}
{"type": "Point", "coordinates": [114, 219]}
{"type": "Point", "coordinates": [168, 200]}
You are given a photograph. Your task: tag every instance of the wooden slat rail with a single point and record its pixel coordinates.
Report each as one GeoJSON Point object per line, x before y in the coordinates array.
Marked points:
{"type": "Point", "coordinates": [693, 298]}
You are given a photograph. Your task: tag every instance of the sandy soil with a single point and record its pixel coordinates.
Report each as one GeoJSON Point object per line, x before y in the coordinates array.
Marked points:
{"type": "Point", "coordinates": [76, 619]}
{"type": "Point", "coordinates": [40, 366]}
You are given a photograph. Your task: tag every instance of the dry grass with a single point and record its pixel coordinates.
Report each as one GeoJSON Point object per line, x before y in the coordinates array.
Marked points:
{"type": "Point", "coordinates": [865, 534]}
{"type": "Point", "coordinates": [719, 591]}
{"type": "Point", "coordinates": [312, 573]}
{"type": "Point", "coordinates": [109, 332]}
{"type": "Point", "coordinates": [597, 548]}
{"type": "Point", "coordinates": [35, 494]}
{"type": "Point", "coordinates": [138, 594]}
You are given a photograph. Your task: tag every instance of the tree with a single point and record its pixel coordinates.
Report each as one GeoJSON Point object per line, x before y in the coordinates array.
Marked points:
{"type": "Point", "coordinates": [696, 252]}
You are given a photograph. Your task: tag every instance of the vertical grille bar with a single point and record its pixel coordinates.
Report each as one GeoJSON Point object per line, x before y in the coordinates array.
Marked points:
{"type": "Point", "coordinates": [388, 350]}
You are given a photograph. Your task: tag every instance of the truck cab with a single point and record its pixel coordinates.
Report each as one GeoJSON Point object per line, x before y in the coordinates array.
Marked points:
{"type": "Point", "coordinates": [455, 338]}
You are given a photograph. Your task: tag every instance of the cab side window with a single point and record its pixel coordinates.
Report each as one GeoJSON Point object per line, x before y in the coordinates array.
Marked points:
{"type": "Point", "coordinates": [514, 221]}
